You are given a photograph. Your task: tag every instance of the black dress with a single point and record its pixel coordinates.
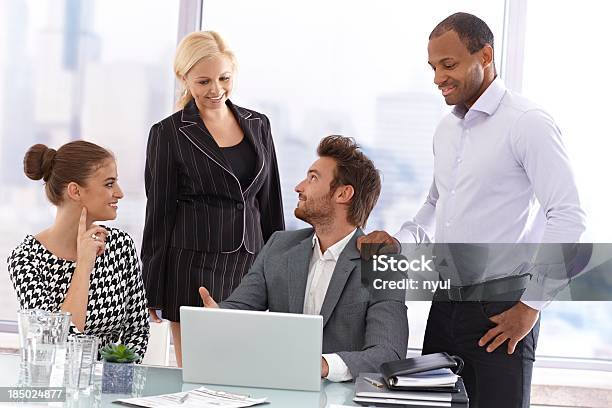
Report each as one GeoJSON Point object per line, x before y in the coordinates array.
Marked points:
{"type": "Point", "coordinates": [209, 209]}
{"type": "Point", "coordinates": [116, 308]}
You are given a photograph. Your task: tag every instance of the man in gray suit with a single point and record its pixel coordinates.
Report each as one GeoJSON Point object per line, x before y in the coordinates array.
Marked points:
{"type": "Point", "coordinates": [318, 270]}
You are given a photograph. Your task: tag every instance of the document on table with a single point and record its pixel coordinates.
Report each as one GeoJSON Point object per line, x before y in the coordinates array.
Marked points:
{"type": "Point", "coordinates": [200, 397]}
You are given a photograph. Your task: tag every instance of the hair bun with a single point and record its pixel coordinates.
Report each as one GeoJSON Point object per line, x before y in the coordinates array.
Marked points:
{"type": "Point", "coordinates": [38, 162]}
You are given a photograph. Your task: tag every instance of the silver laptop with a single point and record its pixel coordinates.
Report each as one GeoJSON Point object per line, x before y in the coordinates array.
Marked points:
{"type": "Point", "coordinates": [252, 349]}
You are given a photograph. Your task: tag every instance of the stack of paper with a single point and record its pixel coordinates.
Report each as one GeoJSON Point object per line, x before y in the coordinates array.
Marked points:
{"type": "Point", "coordinates": [199, 398]}
{"type": "Point", "coordinates": [371, 390]}
{"type": "Point", "coordinates": [442, 377]}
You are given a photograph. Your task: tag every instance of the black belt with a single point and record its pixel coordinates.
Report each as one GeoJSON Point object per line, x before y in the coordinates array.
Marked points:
{"type": "Point", "coordinates": [489, 290]}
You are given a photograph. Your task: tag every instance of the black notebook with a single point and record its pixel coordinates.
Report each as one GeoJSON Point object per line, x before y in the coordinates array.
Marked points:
{"type": "Point", "coordinates": [422, 363]}
{"type": "Point", "coordinates": [394, 372]}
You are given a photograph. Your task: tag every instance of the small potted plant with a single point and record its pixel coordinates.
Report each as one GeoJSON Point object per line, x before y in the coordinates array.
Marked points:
{"type": "Point", "coordinates": [118, 369]}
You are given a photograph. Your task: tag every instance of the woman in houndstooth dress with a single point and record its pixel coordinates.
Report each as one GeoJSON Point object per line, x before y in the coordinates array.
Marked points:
{"type": "Point", "coordinates": [77, 266]}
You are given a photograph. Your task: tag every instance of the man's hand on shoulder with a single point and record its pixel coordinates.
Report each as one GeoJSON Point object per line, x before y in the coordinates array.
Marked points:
{"type": "Point", "coordinates": [512, 325]}
{"type": "Point", "coordinates": [377, 242]}
{"type": "Point", "coordinates": [206, 298]}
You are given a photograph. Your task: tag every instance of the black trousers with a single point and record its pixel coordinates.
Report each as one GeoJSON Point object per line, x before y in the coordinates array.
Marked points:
{"type": "Point", "coordinates": [492, 380]}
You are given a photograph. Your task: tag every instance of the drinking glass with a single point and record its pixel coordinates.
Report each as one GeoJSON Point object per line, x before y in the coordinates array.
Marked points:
{"type": "Point", "coordinates": [42, 337]}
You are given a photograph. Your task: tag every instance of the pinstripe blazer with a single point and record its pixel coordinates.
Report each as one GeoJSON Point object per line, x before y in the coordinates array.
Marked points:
{"type": "Point", "coordinates": [366, 329]}
{"type": "Point", "coordinates": [194, 200]}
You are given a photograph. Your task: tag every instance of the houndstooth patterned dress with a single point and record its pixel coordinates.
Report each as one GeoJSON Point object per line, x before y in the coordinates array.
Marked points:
{"type": "Point", "coordinates": [116, 310]}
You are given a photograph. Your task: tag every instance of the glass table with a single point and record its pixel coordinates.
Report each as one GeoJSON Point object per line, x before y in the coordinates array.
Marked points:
{"type": "Point", "coordinates": [153, 380]}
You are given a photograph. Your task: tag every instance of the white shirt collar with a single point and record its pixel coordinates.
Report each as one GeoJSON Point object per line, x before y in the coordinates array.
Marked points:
{"type": "Point", "coordinates": [334, 251]}
{"type": "Point", "coordinates": [487, 102]}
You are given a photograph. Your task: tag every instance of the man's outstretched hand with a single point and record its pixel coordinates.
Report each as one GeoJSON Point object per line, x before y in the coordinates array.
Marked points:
{"type": "Point", "coordinates": [324, 368]}
{"type": "Point", "coordinates": [206, 298]}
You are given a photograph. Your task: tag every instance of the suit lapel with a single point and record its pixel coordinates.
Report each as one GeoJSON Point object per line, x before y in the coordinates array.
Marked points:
{"type": "Point", "coordinates": [249, 125]}
{"type": "Point", "coordinates": [346, 264]}
{"type": "Point", "coordinates": [195, 131]}
{"type": "Point", "coordinates": [298, 262]}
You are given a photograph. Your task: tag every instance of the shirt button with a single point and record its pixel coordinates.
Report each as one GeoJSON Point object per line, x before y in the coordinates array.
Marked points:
{"type": "Point", "coordinates": [240, 206]}
{"type": "Point", "coordinates": [453, 192]}
{"type": "Point", "coordinates": [467, 130]}
{"type": "Point", "coordinates": [459, 160]}
{"type": "Point", "coordinates": [447, 223]}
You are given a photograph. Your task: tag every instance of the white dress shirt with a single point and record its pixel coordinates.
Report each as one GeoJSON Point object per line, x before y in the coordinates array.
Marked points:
{"type": "Point", "coordinates": [501, 175]}
{"type": "Point", "coordinates": [320, 272]}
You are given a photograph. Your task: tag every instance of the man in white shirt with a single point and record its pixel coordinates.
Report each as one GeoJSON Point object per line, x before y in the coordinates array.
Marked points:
{"type": "Point", "coordinates": [318, 270]}
{"type": "Point", "coordinates": [501, 175]}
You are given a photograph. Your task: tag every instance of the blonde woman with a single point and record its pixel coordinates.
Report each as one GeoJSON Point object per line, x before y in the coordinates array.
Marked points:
{"type": "Point", "coordinates": [212, 185]}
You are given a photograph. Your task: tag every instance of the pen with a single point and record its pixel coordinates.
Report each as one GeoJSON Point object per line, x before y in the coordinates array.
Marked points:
{"type": "Point", "coordinates": [375, 383]}
{"type": "Point", "coordinates": [183, 398]}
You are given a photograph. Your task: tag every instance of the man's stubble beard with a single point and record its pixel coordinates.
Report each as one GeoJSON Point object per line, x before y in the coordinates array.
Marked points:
{"type": "Point", "coordinates": [321, 216]}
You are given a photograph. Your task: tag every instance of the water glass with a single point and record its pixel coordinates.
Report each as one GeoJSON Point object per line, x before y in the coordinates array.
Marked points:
{"type": "Point", "coordinates": [82, 357]}
{"type": "Point", "coordinates": [42, 337]}
{"type": "Point", "coordinates": [73, 363]}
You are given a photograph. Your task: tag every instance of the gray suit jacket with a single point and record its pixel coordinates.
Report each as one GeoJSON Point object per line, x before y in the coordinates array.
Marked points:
{"type": "Point", "coordinates": [363, 331]}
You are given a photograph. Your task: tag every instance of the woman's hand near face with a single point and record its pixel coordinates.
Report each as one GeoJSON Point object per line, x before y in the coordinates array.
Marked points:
{"type": "Point", "coordinates": [90, 243]}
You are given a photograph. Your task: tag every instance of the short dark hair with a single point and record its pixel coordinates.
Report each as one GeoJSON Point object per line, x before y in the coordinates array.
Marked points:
{"type": "Point", "coordinates": [355, 169]}
{"type": "Point", "coordinates": [472, 31]}
{"type": "Point", "coordinates": [73, 162]}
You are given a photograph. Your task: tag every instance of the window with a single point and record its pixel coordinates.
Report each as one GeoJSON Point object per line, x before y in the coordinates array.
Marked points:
{"type": "Point", "coordinates": [353, 68]}
{"type": "Point", "coordinates": [99, 70]}
{"type": "Point", "coordinates": [359, 69]}
{"type": "Point", "coordinates": [102, 70]}
{"type": "Point", "coordinates": [564, 71]}
{"type": "Point", "coordinates": [346, 67]}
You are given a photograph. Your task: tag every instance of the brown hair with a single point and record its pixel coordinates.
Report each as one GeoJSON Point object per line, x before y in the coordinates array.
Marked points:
{"type": "Point", "coordinates": [73, 162]}
{"type": "Point", "coordinates": [355, 169]}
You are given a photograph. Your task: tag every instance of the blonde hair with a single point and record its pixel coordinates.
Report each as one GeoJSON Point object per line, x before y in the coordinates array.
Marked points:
{"type": "Point", "coordinates": [194, 47]}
